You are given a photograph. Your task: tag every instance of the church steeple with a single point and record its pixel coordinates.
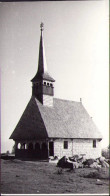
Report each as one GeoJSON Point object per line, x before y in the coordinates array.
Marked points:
{"type": "Point", "coordinates": [42, 87]}
{"type": "Point", "coordinates": [42, 65]}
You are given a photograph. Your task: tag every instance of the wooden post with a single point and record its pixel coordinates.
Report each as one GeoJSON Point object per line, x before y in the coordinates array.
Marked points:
{"type": "Point", "coordinates": [16, 145]}
{"type": "Point", "coordinates": [72, 147]}
{"type": "Point", "coordinates": [48, 148]}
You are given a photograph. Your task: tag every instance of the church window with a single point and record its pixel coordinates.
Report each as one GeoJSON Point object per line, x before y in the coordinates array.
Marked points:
{"type": "Point", "coordinates": [30, 146]}
{"type": "Point", "coordinates": [37, 146]}
{"type": "Point", "coordinates": [94, 143]}
{"type": "Point", "coordinates": [44, 83]}
{"type": "Point", "coordinates": [24, 146]}
{"type": "Point", "coordinates": [19, 145]}
{"type": "Point", "coordinates": [65, 144]}
{"type": "Point", "coordinates": [44, 146]}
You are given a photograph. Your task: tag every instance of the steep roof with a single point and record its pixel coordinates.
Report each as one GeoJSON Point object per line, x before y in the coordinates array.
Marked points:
{"type": "Point", "coordinates": [66, 119]}
{"type": "Point", "coordinates": [42, 72]}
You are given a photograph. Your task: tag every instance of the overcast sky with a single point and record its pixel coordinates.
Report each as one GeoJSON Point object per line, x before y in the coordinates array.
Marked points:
{"type": "Point", "coordinates": [76, 46]}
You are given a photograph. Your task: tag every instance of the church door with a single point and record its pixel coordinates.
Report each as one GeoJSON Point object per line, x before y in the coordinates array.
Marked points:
{"type": "Point", "coordinates": [51, 149]}
{"type": "Point", "coordinates": [44, 151]}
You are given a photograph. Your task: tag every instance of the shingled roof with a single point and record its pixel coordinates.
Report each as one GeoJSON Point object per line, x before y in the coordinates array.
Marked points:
{"type": "Point", "coordinates": [66, 119]}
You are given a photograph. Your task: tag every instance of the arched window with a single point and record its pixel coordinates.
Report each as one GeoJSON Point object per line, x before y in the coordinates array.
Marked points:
{"type": "Point", "coordinates": [44, 83]}
{"type": "Point", "coordinates": [44, 146]}
{"type": "Point", "coordinates": [37, 146]}
{"type": "Point", "coordinates": [30, 146]}
{"type": "Point", "coordinates": [23, 146]}
{"type": "Point", "coordinates": [19, 145]}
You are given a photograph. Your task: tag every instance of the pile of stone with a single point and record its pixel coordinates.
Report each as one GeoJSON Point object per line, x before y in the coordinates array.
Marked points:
{"type": "Point", "coordinates": [81, 162]}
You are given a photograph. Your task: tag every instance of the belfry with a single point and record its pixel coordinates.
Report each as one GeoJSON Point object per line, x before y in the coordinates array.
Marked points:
{"type": "Point", "coordinates": [53, 127]}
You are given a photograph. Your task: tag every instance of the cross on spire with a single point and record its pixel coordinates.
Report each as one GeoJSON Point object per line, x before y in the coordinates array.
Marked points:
{"type": "Point", "coordinates": [42, 26]}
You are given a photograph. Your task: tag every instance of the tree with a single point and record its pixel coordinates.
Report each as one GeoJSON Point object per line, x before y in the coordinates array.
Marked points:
{"type": "Point", "coordinates": [13, 149]}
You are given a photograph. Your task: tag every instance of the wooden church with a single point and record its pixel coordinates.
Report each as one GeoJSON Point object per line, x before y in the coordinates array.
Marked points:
{"type": "Point", "coordinates": [53, 127]}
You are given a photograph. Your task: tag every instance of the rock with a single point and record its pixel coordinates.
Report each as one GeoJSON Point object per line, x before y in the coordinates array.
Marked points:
{"type": "Point", "coordinates": [97, 160]}
{"type": "Point", "coordinates": [80, 165]}
{"type": "Point", "coordinates": [95, 165]}
{"type": "Point", "coordinates": [101, 159]}
{"type": "Point", "coordinates": [75, 165]}
{"type": "Point", "coordinates": [78, 158]}
{"type": "Point", "coordinates": [88, 162]}
{"type": "Point", "coordinates": [99, 182]}
{"type": "Point", "coordinates": [74, 158]}
{"type": "Point", "coordinates": [104, 164]}
{"type": "Point", "coordinates": [107, 160]}
{"type": "Point", "coordinates": [65, 163]}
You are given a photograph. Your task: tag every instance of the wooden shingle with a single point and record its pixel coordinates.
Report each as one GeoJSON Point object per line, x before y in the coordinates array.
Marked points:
{"type": "Point", "coordinates": [66, 119]}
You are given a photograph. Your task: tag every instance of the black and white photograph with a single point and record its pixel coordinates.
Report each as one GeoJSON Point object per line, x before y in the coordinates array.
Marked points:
{"type": "Point", "coordinates": [54, 58]}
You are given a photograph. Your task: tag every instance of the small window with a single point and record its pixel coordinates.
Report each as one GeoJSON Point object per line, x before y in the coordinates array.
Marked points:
{"type": "Point", "coordinates": [48, 84]}
{"type": "Point", "coordinates": [51, 85]}
{"type": "Point", "coordinates": [19, 145]}
{"type": "Point", "coordinates": [44, 83]}
{"type": "Point", "coordinates": [65, 144]}
{"type": "Point", "coordinates": [94, 143]}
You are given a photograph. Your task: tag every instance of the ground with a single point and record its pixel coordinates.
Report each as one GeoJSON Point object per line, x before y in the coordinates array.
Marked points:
{"type": "Point", "coordinates": [33, 177]}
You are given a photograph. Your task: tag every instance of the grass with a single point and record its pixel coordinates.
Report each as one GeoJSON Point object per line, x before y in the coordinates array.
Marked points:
{"type": "Point", "coordinates": [100, 174]}
{"type": "Point", "coordinates": [18, 177]}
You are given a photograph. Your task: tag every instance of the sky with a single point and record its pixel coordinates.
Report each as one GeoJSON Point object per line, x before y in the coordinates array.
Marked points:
{"type": "Point", "coordinates": [77, 52]}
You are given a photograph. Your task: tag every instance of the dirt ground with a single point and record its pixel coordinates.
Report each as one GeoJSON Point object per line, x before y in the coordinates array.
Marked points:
{"type": "Point", "coordinates": [27, 177]}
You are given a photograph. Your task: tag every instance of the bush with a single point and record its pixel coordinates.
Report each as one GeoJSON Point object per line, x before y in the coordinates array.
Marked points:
{"type": "Point", "coordinates": [106, 153]}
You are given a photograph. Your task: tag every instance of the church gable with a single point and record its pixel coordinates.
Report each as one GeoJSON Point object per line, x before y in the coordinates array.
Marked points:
{"type": "Point", "coordinates": [31, 125]}
{"type": "Point", "coordinates": [77, 120]}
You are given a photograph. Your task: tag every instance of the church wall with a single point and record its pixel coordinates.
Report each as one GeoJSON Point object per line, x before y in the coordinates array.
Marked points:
{"type": "Point", "coordinates": [77, 146]}
{"type": "Point", "coordinates": [85, 146]}
{"type": "Point", "coordinates": [47, 100]}
{"type": "Point", "coordinates": [59, 148]}
{"type": "Point", "coordinates": [37, 149]}
{"type": "Point", "coordinates": [48, 90]}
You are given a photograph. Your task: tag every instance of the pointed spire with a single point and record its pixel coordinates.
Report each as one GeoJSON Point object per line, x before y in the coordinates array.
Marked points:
{"type": "Point", "coordinates": [42, 65]}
